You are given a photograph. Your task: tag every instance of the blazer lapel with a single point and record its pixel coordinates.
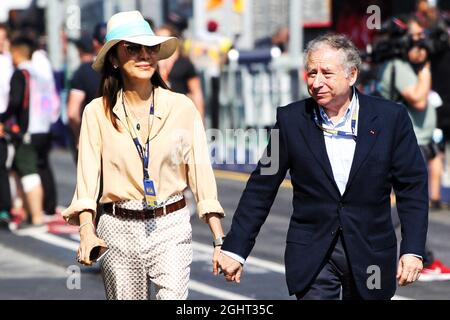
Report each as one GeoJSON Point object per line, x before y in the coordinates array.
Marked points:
{"type": "Point", "coordinates": [368, 131]}
{"type": "Point", "coordinates": [315, 140]}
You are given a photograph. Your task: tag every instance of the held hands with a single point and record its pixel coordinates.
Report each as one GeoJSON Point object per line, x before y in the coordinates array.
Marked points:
{"type": "Point", "coordinates": [88, 240]}
{"type": "Point", "coordinates": [230, 268]}
{"type": "Point", "coordinates": [409, 268]}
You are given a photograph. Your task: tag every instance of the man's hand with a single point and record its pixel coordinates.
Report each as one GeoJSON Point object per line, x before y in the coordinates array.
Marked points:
{"type": "Point", "coordinates": [2, 130]}
{"type": "Point", "coordinates": [231, 268]}
{"type": "Point", "coordinates": [409, 268]}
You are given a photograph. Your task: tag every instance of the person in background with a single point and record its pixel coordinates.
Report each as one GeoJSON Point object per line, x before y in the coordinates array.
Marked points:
{"type": "Point", "coordinates": [6, 68]}
{"type": "Point", "coordinates": [411, 85]}
{"type": "Point", "coordinates": [31, 117]}
{"type": "Point", "coordinates": [279, 39]}
{"type": "Point", "coordinates": [85, 81]}
{"type": "Point", "coordinates": [208, 51]}
{"type": "Point", "coordinates": [440, 69]}
{"type": "Point", "coordinates": [42, 141]}
{"type": "Point", "coordinates": [179, 72]}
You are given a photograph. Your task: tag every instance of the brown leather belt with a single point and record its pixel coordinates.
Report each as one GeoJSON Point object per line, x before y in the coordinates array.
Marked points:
{"type": "Point", "coordinates": [110, 208]}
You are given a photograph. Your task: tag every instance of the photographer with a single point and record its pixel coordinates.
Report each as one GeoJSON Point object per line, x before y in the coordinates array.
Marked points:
{"type": "Point", "coordinates": [407, 80]}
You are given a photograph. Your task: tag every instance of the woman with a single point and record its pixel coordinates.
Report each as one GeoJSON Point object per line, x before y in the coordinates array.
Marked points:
{"type": "Point", "coordinates": [148, 144]}
{"type": "Point", "coordinates": [179, 72]}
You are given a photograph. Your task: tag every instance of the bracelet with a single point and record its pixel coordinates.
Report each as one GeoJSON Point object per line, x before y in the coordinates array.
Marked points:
{"type": "Point", "coordinates": [219, 241]}
{"type": "Point", "coordinates": [84, 224]}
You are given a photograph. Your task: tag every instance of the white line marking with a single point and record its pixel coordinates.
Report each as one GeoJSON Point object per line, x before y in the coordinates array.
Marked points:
{"type": "Point", "coordinates": [57, 241]}
{"type": "Point", "coordinates": [31, 231]}
{"type": "Point", "coordinates": [218, 293]}
{"type": "Point", "coordinates": [193, 285]}
{"type": "Point", "coordinates": [269, 265]}
{"type": "Point", "coordinates": [401, 298]}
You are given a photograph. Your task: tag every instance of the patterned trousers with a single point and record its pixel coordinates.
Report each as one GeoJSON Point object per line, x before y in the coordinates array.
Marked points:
{"type": "Point", "coordinates": [143, 251]}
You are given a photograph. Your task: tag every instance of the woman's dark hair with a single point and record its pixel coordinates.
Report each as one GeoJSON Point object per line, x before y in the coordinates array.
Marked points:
{"type": "Point", "coordinates": [111, 83]}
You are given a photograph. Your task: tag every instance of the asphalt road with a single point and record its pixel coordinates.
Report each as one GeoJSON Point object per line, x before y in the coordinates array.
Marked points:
{"type": "Point", "coordinates": [42, 265]}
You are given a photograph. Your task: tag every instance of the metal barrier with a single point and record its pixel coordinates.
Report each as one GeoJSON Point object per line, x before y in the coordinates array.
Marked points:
{"type": "Point", "coordinates": [249, 95]}
{"type": "Point", "coordinates": [251, 91]}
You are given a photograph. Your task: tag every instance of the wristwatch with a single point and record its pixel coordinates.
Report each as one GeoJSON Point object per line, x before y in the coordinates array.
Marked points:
{"type": "Point", "coordinates": [219, 241]}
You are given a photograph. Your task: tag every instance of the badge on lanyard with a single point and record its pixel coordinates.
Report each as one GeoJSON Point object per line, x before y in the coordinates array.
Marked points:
{"type": "Point", "coordinates": [149, 185]}
{"type": "Point", "coordinates": [150, 193]}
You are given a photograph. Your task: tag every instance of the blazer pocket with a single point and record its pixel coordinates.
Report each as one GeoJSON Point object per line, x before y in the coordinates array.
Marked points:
{"type": "Point", "coordinates": [384, 241]}
{"type": "Point", "coordinates": [300, 235]}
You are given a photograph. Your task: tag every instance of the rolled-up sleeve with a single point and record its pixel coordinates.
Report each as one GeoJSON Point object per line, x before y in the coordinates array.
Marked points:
{"type": "Point", "coordinates": [201, 178]}
{"type": "Point", "coordinates": [88, 168]}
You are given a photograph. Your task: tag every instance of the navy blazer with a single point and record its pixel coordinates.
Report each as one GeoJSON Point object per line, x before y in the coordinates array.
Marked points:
{"type": "Point", "coordinates": [386, 156]}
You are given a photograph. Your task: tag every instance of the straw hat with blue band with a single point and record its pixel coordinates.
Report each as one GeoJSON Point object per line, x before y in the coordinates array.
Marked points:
{"type": "Point", "coordinates": [130, 26]}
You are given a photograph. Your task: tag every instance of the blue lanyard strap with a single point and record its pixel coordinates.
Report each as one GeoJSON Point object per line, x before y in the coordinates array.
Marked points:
{"type": "Point", "coordinates": [144, 153]}
{"type": "Point", "coordinates": [340, 133]}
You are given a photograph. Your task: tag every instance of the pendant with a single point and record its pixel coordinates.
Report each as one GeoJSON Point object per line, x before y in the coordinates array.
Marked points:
{"type": "Point", "coordinates": [138, 126]}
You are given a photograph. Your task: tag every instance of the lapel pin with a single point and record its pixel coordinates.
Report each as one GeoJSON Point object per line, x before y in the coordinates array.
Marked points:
{"type": "Point", "coordinates": [372, 132]}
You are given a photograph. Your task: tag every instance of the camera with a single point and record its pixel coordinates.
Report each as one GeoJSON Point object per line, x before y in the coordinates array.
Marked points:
{"type": "Point", "coordinates": [392, 41]}
{"type": "Point", "coordinates": [395, 42]}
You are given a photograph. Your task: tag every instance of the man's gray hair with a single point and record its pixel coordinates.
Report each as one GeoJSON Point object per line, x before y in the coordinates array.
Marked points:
{"type": "Point", "coordinates": [350, 54]}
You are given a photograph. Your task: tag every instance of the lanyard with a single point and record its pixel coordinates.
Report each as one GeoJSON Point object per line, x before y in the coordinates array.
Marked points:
{"type": "Point", "coordinates": [143, 152]}
{"type": "Point", "coordinates": [340, 133]}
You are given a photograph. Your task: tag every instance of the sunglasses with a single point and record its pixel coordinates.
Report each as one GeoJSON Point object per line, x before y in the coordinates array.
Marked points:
{"type": "Point", "coordinates": [134, 49]}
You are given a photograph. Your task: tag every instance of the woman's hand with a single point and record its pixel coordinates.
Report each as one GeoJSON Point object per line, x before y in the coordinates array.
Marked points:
{"type": "Point", "coordinates": [88, 240]}
{"type": "Point", "coordinates": [215, 260]}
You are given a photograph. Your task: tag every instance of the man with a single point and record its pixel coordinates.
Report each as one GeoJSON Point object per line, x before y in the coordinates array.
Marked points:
{"type": "Point", "coordinates": [344, 151]}
{"type": "Point", "coordinates": [409, 81]}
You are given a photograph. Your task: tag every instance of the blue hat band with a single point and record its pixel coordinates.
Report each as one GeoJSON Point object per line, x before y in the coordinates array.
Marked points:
{"type": "Point", "coordinates": [137, 28]}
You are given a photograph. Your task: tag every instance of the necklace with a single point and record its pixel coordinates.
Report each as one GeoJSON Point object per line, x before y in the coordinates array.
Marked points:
{"type": "Point", "coordinates": [143, 113]}
{"type": "Point", "coordinates": [150, 118]}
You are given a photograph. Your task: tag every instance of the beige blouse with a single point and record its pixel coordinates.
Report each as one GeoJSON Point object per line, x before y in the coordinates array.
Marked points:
{"type": "Point", "coordinates": [179, 157]}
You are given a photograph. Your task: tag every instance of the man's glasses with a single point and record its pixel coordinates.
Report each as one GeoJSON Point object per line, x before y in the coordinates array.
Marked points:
{"type": "Point", "coordinates": [134, 49]}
